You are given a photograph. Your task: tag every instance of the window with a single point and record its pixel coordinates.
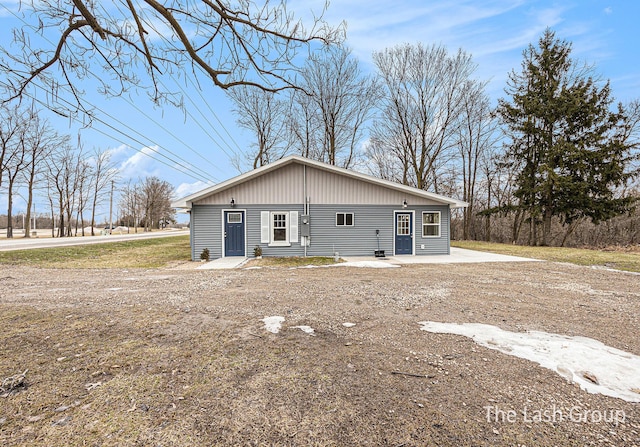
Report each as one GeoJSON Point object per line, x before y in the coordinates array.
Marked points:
{"type": "Point", "coordinates": [279, 228]}
{"type": "Point", "coordinates": [344, 219]}
{"type": "Point", "coordinates": [403, 225]}
{"type": "Point", "coordinates": [431, 224]}
{"type": "Point", "coordinates": [234, 218]}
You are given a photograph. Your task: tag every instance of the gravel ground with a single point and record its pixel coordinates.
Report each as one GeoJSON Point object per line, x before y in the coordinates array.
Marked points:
{"type": "Point", "coordinates": [181, 357]}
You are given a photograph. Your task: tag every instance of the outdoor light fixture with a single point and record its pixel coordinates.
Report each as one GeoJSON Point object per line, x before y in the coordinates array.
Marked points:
{"type": "Point", "coordinates": [404, 204]}
{"type": "Point", "coordinates": [233, 203]}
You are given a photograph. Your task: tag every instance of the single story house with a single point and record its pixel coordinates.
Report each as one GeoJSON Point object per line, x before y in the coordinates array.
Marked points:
{"type": "Point", "coordinates": [301, 207]}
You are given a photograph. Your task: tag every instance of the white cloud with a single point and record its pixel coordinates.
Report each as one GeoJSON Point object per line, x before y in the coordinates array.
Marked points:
{"type": "Point", "coordinates": [140, 164]}
{"type": "Point", "coordinates": [117, 151]}
{"type": "Point", "coordinates": [186, 189]}
{"type": "Point", "coordinates": [494, 32]}
{"type": "Point", "coordinates": [608, 10]}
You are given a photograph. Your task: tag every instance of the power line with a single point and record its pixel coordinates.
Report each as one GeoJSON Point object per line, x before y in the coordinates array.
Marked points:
{"type": "Point", "coordinates": [198, 90]}
{"type": "Point", "coordinates": [193, 175]}
{"type": "Point", "coordinates": [208, 161]}
{"type": "Point", "coordinates": [202, 175]}
{"type": "Point", "coordinates": [186, 95]}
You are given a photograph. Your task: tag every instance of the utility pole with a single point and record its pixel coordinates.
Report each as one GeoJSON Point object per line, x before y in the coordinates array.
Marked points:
{"type": "Point", "coordinates": [111, 209]}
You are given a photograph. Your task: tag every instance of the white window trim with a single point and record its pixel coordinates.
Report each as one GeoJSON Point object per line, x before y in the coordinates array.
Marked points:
{"type": "Point", "coordinates": [439, 224]}
{"type": "Point", "coordinates": [286, 242]}
{"type": "Point", "coordinates": [353, 219]}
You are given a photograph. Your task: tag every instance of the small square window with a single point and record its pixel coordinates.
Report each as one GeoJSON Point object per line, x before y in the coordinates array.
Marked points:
{"type": "Point", "coordinates": [234, 218]}
{"type": "Point", "coordinates": [344, 219]}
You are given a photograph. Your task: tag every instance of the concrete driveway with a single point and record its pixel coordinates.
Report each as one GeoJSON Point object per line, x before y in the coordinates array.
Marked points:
{"type": "Point", "coordinates": [457, 256]}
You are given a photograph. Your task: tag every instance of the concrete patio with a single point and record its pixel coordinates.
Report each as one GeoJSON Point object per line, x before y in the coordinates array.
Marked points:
{"type": "Point", "coordinates": [457, 256]}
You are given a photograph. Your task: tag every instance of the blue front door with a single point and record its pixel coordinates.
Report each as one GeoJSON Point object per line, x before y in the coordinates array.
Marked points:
{"type": "Point", "coordinates": [404, 233]}
{"type": "Point", "coordinates": [234, 233]}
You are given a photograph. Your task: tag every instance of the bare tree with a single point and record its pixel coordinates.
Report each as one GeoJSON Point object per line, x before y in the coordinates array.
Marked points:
{"type": "Point", "coordinates": [262, 113]}
{"type": "Point", "coordinates": [155, 195]}
{"type": "Point", "coordinates": [14, 159]}
{"type": "Point", "coordinates": [102, 173]}
{"type": "Point", "coordinates": [131, 205]}
{"type": "Point", "coordinates": [303, 127]}
{"type": "Point", "coordinates": [61, 186]}
{"type": "Point", "coordinates": [239, 43]}
{"type": "Point", "coordinates": [421, 107]}
{"type": "Point", "coordinates": [477, 134]}
{"type": "Point", "coordinates": [339, 103]}
{"type": "Point", "coordinates": [84, 173]}
{"type": "Point", "coordinates": [40, 142]}
{"type": "Point", "coordinates": [11, 126]}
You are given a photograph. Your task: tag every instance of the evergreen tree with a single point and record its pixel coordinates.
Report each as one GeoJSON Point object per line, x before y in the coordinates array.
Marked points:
{"type": "Point", "coordinates": [570, 148]}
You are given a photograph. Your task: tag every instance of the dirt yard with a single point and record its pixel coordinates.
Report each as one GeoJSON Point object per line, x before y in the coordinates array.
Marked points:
{"type": "Point", "coordinates": [179, 357]}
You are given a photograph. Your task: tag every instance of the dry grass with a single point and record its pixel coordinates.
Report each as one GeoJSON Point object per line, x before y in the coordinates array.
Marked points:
{"type": "Point", "coordinates": [615, 259]}
{"type": "Point", "coordinates": [181, 357]}
{"type": "Point", "coordinates": [134, 382]}
{"type": "Point", "coordinates": [146, 253]}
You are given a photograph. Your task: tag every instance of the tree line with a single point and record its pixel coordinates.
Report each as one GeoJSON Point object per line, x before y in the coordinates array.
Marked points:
{"type": "Point", "coordinates": [40, 162]}
{"type": "Point", "coordinates": [554, 155]}
{"type": "Point", "coordinates": [555, 162]}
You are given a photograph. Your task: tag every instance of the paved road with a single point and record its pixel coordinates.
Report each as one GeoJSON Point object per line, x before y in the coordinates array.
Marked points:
{"type": "Point", "coordinates": [32, 243]}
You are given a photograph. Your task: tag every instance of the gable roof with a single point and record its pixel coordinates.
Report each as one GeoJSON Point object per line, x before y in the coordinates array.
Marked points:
{"type": "Point", "coordinates": [187, 202]}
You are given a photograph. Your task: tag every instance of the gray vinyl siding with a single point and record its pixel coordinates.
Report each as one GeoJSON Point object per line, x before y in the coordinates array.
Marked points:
{"type": "Point", "coordinates": [433, 245]}
{"type": "Point", "coordinates": [326, 237]}
{"type": "Point", "coordinates": [361, 240]}
{"type": "Point", "coordinates": [358, 240]}
{"type": "Point", "coordinates": [253, 231]}
{"type": "Point", "coordinates": [206, 230]}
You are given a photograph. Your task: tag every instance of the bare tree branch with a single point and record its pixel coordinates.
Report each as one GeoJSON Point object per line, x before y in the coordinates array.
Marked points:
{"type": "Point", "coordinates": [239, 44]}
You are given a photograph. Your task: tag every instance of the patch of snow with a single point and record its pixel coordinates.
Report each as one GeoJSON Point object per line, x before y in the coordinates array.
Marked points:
{"type": "Point", "coordinates": [348, 324]}
{"type": "Point", "coordinates": [113, 289]}
{"type": "Point", "coordinates": [273, 324]}
{"type": "Point", "coordinates": [255, 267]}
{"type": "Point", "coordinates": [367, 264]}
{"type": "Point", "coordinates": [306, 329]}
{"type": "Point", "coordinates": [579, 359]}
{"type": "Point", "coordinates": [363, 264]}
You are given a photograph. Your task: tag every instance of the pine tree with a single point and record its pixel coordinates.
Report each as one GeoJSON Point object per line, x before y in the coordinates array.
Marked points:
{"type": "Point", "coordinates": [569, 146]}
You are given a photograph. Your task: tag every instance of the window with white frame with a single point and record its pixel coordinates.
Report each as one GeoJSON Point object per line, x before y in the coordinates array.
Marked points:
{"type": "Point", "coordinates": [279, 228]}
{"type": "Point", "coordinates": [344, 219]}
{"type": "Point", "coordinates": [431, 224]}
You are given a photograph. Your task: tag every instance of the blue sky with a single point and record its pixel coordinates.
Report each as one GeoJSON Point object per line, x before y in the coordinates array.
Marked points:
{"type": "Point", "coordinates": [603, 33]}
